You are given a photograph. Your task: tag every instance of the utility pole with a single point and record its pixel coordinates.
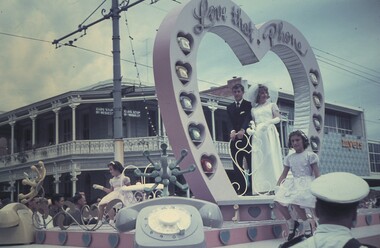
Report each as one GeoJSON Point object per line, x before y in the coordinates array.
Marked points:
{"type": "Point", "coordinates": [117, 108]}
{"type": "Point", "coordinates": [117, 104]}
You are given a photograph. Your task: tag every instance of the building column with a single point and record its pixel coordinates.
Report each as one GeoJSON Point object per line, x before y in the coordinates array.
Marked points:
{"type": "Point", "coordinates": [18, 188]}
{"type": "Point", "coordinates": [75, 172]}
{"type": "Point", "coordinates": [56, 111]}
{"type": "Point", "coordinates": [73, 106]}
{"type": "Point", "coordinates": [12, 188]}
{"type": "Point", "coordinates": [57, 181]}
{"type": "Point", "coordinates": [33, 116]}
{"type": "Point", "coordinates": [213, 105]}
{"type": "Point", "coordinates": [74, 103]}
{"type": "Point", "coordinates": [12, 123]}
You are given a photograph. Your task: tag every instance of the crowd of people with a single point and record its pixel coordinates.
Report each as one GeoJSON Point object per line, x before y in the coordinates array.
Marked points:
{"type": "Point", "coordinates": [49, 209]}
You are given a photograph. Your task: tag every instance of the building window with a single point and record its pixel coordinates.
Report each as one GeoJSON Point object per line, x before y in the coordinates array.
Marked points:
{"type": "Point", "coordinates": [338, 123]}
{"type": "Point", "coordinates": [330, 120]}
{"type": "Point", "coordinates": [374, 157]}
{"type": "Point", "coordinates": [344, 124]}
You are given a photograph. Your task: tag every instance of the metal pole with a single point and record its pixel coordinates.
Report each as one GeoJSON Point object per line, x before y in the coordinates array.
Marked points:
{"type": "Point", "coordinates": [117, 108]}
{"type": "Point", "coordinates": [213, 105]}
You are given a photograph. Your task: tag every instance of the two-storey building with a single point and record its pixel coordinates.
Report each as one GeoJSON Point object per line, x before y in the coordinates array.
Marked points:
{"type": "Point", "coordinates": [73, 134]}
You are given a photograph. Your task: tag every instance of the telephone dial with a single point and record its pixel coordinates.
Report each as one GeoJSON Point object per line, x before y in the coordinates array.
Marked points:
{"type": "Point", "coordinates": [169, 222]}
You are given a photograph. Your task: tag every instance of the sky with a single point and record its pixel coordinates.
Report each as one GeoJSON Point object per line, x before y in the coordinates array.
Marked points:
{"type": "Point", "coordinates": [344, 35]}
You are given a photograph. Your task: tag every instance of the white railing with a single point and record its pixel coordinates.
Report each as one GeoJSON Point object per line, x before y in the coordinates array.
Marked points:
{"type": "Point", "coordinates": [222, 147]}
{"type": "Point", "coordinates": [86, 147]}
{"type": "Point", "coordinates": [337, 130]}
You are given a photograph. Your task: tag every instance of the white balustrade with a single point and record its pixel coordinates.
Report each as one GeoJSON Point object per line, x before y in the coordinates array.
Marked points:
{"type": "Point", "coordinates": [102, 146]}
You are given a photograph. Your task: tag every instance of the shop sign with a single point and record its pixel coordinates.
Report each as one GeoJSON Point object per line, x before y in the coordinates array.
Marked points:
{"type": "Point", "coordinates": [132, 113]}
{"type": "Point", "coordinates": [103, 111]}
{"type": "Point", "coordinates": [352, 144]}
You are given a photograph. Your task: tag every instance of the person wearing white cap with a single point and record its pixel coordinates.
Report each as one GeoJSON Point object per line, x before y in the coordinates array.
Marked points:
{"type": "Point", "coordinates": [338, 195]}
{"type": "Point", "coordinates": [295, 191]}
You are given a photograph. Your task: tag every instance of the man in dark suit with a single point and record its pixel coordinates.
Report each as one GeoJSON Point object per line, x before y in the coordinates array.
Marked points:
{"type": "Point", "coordinates": [239, 113]}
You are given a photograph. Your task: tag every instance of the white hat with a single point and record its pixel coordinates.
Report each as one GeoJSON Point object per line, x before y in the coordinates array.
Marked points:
{"type": "Point", "coordinates": [340, 187]}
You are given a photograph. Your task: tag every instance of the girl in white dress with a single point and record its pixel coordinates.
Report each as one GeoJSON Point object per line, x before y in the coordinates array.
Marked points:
{"type": "Point", "coordinates": [295, 191]}
{"type": "Point", "coordinates": [266, 147]}
{"type": "Point", "coordinates": [114, 192]}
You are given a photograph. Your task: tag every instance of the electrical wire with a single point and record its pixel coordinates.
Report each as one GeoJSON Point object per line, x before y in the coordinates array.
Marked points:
{"type": "Point", "coordinates": [153, 5]}
{"type": "Point", "coordinates": [356, 74]}
{"type": "Point", "coordinates": [92, 13]}
{"type": "Point", "coordinates": [320, 58]}
{"type": "Point", "coordinates": [367, 68]}
{"type": "Point", "coordinates": [110, 56]}
{"type": "Point", "coordinates": [151, 125]}
{"type": "Point", "coordinates": [24, 37]}
{"type": "Point", "coordinates": [350, 67]}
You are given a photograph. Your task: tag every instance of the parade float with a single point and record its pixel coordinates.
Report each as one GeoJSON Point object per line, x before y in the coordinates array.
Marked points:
{"type": "Point", "coordinates": [216, 215]}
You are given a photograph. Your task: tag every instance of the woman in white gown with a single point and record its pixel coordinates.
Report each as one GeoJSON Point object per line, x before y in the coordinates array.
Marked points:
{"type": "Point", "coordinates": [266, 148]}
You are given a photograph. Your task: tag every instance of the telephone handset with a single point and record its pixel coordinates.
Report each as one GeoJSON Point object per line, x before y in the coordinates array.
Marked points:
{"type": "Point", "coordinates": [169, 221]}
{"type": "Point", "coordinates": [16, 224]}
{"type": "Point", "coordinates": [11, 214]}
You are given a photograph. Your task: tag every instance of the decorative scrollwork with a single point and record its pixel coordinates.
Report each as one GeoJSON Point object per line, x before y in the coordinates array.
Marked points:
{"type": "Point", "coordinates": [244, 172]}
{"type": "Point", "coordinates": [35, 183]}
{"type": "Point", "coordinates": [255, 142]}
{"type": "Point", "coordinates": [86, 217]}
{"type": "Point", "coordinates": [104, 12]}
{"type": "Point", "coordinates": [124, 4]}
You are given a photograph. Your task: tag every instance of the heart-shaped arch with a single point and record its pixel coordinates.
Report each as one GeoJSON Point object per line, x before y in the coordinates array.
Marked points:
{"type": "Point", "coordinates": [174, 63]}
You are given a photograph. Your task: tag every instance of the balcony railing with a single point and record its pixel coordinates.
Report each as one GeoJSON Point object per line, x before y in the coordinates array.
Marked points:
{"type": "Point", "coordinates": [337, 130]}
{"type": "Point", "coordinates": [86, 147]}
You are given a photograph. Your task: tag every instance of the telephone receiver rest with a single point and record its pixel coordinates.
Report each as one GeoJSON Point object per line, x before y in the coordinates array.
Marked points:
{"type": "Point", "coordinates": [209, 212]}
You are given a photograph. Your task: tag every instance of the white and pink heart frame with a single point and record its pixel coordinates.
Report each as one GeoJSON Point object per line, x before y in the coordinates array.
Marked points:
{"type": "Point", "coordinates": [174, 63]}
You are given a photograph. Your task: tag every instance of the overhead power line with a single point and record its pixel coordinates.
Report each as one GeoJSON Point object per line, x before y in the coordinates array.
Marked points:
{"type": "Point", "coordinates": [24, 37]}
{"type": "Point", "coordinates": [110, 56]}
{"type": "Point", "coordinates": [327, 61]}
{"type": "Point", "coordinates": [351, 72]}
{"type": "Point", "coordinates": [350, 67]}
{"type": "Point", "coordinates": [92, 13]}
{"type": "Point", "coordinates": [95, 52]}
{"type": "Point", "coordinates": [321, 59]}
{"type": "Point", "coordinates": [333, 55]}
